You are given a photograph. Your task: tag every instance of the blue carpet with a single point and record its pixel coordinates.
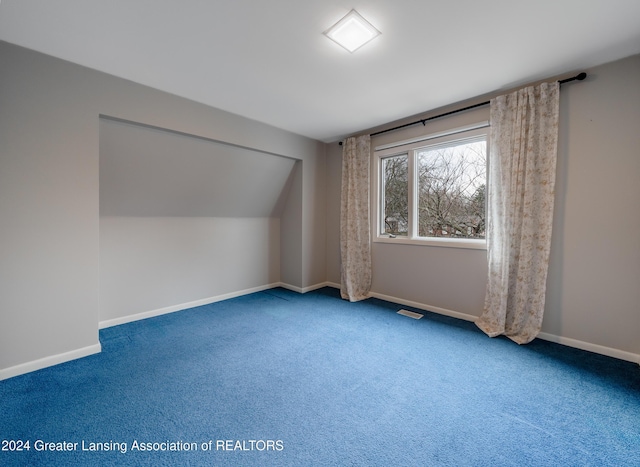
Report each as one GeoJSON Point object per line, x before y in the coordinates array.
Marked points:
{"type": "Point", "coordinates": [278, 378]}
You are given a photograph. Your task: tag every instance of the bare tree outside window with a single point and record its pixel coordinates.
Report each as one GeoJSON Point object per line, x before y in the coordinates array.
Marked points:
{"type": "Point", "coordinates": [395, 201]}
{"type": "Point", "coordinates": [451, 190]}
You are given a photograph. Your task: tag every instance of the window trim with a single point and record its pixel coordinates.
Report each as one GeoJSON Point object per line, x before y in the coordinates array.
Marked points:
{"type": "Point", "coordinates": [408, 147]}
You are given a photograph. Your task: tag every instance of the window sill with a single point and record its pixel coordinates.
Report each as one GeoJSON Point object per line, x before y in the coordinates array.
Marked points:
{"type": "Point", "coordinates": [464, 243]}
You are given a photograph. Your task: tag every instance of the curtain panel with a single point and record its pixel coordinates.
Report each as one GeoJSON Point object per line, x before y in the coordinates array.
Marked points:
{"type": "Point", "coordinates": [355, 236]}
{"type": "Point", "coordinates": [522, 172]}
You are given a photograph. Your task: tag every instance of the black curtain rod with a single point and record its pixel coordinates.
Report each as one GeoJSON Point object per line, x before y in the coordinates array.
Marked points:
{"type": "Point", "coordinates": [578, 77]}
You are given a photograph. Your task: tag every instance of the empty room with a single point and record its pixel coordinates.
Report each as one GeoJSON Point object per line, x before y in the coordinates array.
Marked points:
{"type": "Point", "coordinates": [319, 233]}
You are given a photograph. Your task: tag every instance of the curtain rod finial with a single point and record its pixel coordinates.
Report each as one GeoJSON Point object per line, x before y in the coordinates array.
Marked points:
{"type": "Point", "coordinates": [581, 76]}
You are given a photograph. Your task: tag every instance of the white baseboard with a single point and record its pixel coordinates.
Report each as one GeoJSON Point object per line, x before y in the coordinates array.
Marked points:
{"type": "Point", "coordinates": [49, 361]}
{"type": "Point", "coordinates": [595, 348]}
{"type": "Point", "coordinates": [96, 348]}
{"type": "Point", "coordinates": [575, 343]}
{"type": "Point", "coordinates": [422, 306]}
{"type": "Point", "coordinates": [182, 306]}
{"type": "Point", "coordinates": [310, 288]}
{"type": "Point", "coordinates": [610, 352]}
{"type": "Point", "coordinates": [205, 301]}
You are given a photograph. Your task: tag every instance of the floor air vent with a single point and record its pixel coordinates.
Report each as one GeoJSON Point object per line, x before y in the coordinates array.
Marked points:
{"type": "Point", "coordinates": [410, 314]}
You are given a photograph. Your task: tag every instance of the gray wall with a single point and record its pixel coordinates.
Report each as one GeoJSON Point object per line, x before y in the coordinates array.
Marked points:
{"type": "Point", "coordinates": [184, 220]}
{"type": "Point", "coordinates": [449, 279]}
{"type": "Point", "coordinates": [149, 264]}
{"type": "Point", "coordinates": [150, 172]}
{"type": "Point", "coordinates": [593, 285]}
{"type": "Point", "coordinates": [49, 198]}
{"type": "Point", "coordinates": [290, 237]}
{"type": "Point", "coordinates": [52, 255]}
{"type": "Point", "coordinates": [334, 184]}
{"type": "Point", "coordinates": [594, 274]}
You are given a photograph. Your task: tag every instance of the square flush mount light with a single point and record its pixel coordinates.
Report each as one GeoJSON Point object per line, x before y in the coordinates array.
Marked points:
{"type": "Point", "coordinates": [352, 31]}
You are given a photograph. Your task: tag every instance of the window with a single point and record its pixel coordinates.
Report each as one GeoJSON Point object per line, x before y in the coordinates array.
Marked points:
{"type": "Point", "coordinates": [395, 195]}
{"type": "Point", "coordinates": [433, 190]}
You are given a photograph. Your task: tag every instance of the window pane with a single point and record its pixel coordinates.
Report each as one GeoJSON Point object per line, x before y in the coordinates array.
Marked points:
{"type": "Point", "coordinates": [395, 201]}
{"type": "Point", "coordinates": [451, 190]}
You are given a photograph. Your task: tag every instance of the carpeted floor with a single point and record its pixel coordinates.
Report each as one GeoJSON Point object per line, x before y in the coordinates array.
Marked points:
{"type": "Point", "coordinates": [278, 378]}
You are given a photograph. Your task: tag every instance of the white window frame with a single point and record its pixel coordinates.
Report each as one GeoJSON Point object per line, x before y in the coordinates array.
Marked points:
{"type": "Point", "coordinates": [410, 147]}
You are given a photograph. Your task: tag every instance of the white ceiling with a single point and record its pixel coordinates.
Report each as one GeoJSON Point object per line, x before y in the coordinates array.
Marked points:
{"type": "Point", "coordinates": [268, 60]}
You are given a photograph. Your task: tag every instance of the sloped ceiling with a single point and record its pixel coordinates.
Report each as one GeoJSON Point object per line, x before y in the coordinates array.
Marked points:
{"type": "Point", "coordinates": [268, 60]}
{"type": "Point", "coordinates": [149, 172]}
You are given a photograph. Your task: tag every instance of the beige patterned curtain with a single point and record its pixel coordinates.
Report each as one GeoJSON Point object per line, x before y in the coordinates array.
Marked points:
{"type": "Point", "coordinates": [355, 242]}
{"type": "Point", "coordinates": [522, 171]}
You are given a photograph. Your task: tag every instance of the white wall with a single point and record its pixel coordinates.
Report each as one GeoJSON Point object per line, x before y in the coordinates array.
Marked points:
{"type": "Point", "coordinates": [49, 196]}
{"type": "Point", "coordinates": [594, 274]}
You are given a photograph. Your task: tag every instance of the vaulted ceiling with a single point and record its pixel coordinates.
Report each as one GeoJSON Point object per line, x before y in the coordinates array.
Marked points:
{"type": "Point", "coordinates": [269, 61]}
{"type": "Point", "coordinates": [149, 172]}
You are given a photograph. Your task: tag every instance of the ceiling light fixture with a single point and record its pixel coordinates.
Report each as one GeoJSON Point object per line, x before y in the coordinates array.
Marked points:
{"type": "Point", "coordinates": [352, 31]}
